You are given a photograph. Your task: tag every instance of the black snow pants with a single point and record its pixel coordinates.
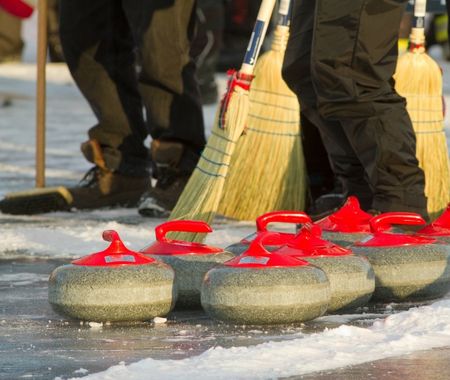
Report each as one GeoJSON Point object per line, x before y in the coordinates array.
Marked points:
{"type": "Point", "coordinates": [103, 42]}
{"type": "Point", "coordinates": [340, 60]}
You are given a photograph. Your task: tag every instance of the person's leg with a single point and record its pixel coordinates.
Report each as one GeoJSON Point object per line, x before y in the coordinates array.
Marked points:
{"type": "Point", "coordinates": [11, 43]}
{"type": "Point", "coordinates": [297, 73]}
{"type": "Point", "coordinates": [163, 33]}
{"type": "Point", "coordinates": [353, 61]}
{"type": "Point", "coordinates": [167, 83]}
{"type": "Point", "coordinates": [344, 161]}
{"type": "Point", "coordinates": [206, 46]}
{"type": "Point", "coordinates": [98, 48]}
{"type": "Point", "coordinates": [54, 42]}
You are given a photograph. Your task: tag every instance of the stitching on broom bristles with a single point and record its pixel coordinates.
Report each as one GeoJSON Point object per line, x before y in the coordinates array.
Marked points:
{"type": "Point", "coordinates": [423, 110]}
{"type": "Point", "coordinates": [273, 133]}
{"type": "Point", "coordinates": [208, 173]}
{"type": "Point", "coordinates": [213, 162]}
{"type": "Point", "coordinates": [273, 120]}
{"type": "Point", "coordinates": [406, 95]}
{"type": "Point", "coordinates": [222, 137]}
{"type": "Point", "coordinates": [275, 106]}
{"type": "Point", "coordinates": [427, 121]}
{"type": "Point", "coordinates": [428, 132]}
{"type": "Point", "coordinates": [218, 150]}
{"type": "Point", "coordinates": [271, 92]}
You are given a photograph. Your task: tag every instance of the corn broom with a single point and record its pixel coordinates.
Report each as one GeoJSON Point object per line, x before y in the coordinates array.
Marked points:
{"type": "Point", "coordinates": [276, 181]}
{"type": "Point", "coordinates": [201, 196]}
{"type": "Point", "coordinates": [419, 80]}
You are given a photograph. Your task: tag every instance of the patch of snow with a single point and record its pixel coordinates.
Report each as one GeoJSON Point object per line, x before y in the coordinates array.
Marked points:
{"type": "Point", "coordinates": [420, 328]}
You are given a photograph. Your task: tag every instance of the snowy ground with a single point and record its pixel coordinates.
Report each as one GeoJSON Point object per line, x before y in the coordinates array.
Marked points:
{"type": "Point", "coordinates": [36, 343]}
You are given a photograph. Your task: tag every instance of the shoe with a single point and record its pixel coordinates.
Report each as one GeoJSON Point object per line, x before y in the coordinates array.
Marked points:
{"type": "Point", "coordinates": [174, 163]}
{"type": "Point", "coordinates": [159, 201]}
{"type": "Point", "coordinates": [101, 188]}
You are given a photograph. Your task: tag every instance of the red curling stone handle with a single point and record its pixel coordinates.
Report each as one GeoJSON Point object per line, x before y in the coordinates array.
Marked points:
{"type": "Point", "coordinates": [385, 221]}
{"type": "Point", "coordinates": [281, 217]}
{"type": "Point", "coordinates": [195, 226]}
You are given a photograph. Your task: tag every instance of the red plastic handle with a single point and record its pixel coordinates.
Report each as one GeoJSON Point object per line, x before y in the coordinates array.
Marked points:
{"type": "Point", "coordinates": [195, 226]}
{"type": "Point", "coordinates": [110, 235]}
{"type": "Point", "coordinates": [281, 217]}
{"type": "Point", "coordinates": [384, 221]}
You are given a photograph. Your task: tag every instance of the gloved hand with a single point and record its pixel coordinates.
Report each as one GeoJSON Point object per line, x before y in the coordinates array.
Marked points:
{"type": "Point", "coordinates": [18, 8]}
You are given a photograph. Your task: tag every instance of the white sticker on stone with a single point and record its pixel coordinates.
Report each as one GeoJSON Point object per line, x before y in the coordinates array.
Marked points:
{"type": "Point", "coordinates": [116, 258]}
{"type": "Point", "coordinates": [254, 260]}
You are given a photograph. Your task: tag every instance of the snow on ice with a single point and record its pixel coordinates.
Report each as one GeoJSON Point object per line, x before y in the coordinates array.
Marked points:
{"type": "Point", "coordinates": [416, 329]}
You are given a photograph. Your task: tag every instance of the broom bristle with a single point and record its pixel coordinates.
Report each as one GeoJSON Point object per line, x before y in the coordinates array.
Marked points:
{"type": "Point", "coordinates": [267, 170]}
{"type": "Point", "coordinates": [201, 196]}
{"type": "Point", "coordinates": [419, 80]}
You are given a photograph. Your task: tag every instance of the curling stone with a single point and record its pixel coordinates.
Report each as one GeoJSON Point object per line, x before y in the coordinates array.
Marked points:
{"type": "Point", "coordinates": [273, 240]}
{"type": "Point", "coordinates": [190, 261]}
{"type": "Point", "coordinates": [439, 229]}
{"type": "Point", "coordinates": [259, 287]}
{"type": "Point", "coordinates": [352, 280]}
{"type": "Point", "coordinates": [406, 266]}
{"type": "Point", "coordinates": [113, 285]}
{"type": "Point", "coordinates": [347, 225]}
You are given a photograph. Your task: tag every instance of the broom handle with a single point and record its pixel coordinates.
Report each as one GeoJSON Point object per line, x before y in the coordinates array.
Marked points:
{"type": "Point", "coordinates": [257, 38]}
{"type": "Point", "coordinates": [40, 93]}
{"type": "Point", "coordinates": [420, 9]}
{"type": "Point", "coordinates": [417, 36]}
{"type": "Point", "coordinates": [284, 12]}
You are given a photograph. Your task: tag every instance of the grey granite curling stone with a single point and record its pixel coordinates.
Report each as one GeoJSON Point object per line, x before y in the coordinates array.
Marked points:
{"type": "Point", "coordinates": [273, 241]}
{"type": "Point", "coordinates": [347, 225]}
{"type": "Point", "coordinates": [439, 229]}
{"type": "Point", "coordinates": [114, 285]}
{"type": "Point", "coordinates": [260, 287]}
{"type": "Point", "coordinates": [352, 280]}
{"type": "Point", "coordinates": [407, 267]}
{"type": "Point", "coordinates": [190, 261]}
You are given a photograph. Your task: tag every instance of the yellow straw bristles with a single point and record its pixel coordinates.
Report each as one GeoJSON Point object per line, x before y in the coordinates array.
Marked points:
{"type": "Point", "coordinates": [201, 196]}
{"type": "Point", "coordinates": [267, 170]}
{"type": "Point", "coordinates": [419, 80]}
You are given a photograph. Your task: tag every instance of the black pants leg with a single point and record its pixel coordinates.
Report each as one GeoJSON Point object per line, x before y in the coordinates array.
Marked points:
{"type": "Point", "coordinates": [98, 47]}
{"type": "Point", "coordinates": [340, 60]}
{"type": "Point", "coordinates": [163, 31]}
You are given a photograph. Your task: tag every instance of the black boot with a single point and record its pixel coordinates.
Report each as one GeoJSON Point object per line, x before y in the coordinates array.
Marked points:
{"type": "Point", "coordinates": [174, 163]}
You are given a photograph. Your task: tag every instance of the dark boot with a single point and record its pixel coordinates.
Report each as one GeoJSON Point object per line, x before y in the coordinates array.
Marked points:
{"type": "Point", "coordinates": [174, 163]}
{"type": "Point", "coordinates": [102, 187]}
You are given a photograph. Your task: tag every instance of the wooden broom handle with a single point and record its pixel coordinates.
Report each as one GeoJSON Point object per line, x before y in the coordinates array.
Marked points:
{"type": "Point", "coordinates": [40, 93]}
{"type": "Point", "coordinates": [258, 34]}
